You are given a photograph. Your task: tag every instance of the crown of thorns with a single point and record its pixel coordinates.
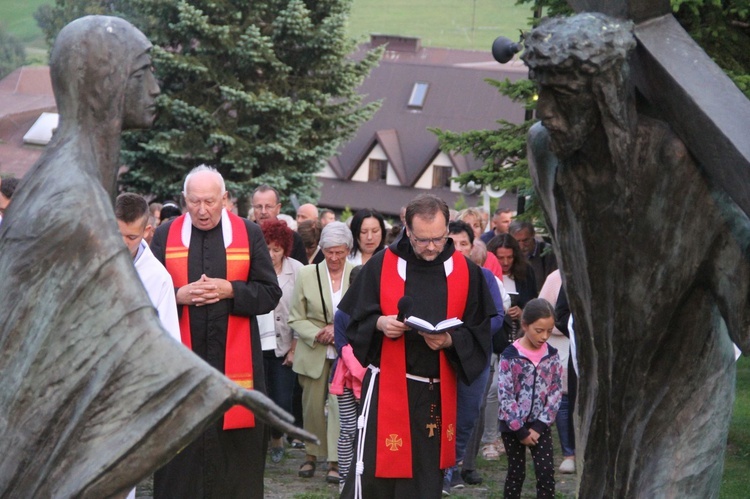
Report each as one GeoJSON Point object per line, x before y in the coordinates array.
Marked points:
{"type": "Point", "coordinates": [588, 43]}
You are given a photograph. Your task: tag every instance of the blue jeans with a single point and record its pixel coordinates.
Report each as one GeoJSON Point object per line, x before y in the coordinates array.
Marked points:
{"type": "Point", "coordinates": [280, 381]}
{"type": "Point", "coordinates": [565, 428]}
{"type": "Point", "coordinates": [469, 403]}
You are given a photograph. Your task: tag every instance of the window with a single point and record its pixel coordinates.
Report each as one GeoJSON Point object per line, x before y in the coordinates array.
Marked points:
{"type": "Point", "coordinates": [378, 170]}
{"type": "Point", "coordinates": [418, 95]}
{"type": "Point", "coordinates": [441, 176]}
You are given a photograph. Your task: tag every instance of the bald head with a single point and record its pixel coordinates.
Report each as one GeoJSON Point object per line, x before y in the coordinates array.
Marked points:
{"type": "Point", "coordinates": [205, 195]}
{"type": "Point", "coordinates": [206, 172]}
{"type": "Point", "coordinates": [307, 212]}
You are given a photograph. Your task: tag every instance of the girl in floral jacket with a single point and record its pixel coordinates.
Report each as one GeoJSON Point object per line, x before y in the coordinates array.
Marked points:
{"type": "Point", "coordinates": [529, 392]}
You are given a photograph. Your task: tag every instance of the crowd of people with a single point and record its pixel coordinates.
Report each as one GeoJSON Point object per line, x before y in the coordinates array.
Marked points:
{"type": "Point", "coordinates": [397, 411]}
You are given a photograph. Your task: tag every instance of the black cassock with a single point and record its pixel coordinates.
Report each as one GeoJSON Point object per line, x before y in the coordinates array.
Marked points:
{"type": "Point", "coordinates": [226, 464]}
{"type": "Point", "coordinates": [426, 284]}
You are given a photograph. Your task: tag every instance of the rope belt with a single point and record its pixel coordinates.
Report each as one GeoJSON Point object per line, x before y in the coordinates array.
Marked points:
{"type": "Point", "coordinates": [362, 431]}
{"type": "Point", "coordinates": [362, 424]}
{"type": "Point", "coordinates": [422, 379]}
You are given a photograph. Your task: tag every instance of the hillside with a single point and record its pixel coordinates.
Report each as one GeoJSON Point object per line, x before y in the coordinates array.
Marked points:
{"type": "Point", "coordinates": [464, 24]}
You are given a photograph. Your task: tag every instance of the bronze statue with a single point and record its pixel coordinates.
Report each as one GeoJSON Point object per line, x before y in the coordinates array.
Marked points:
{"type": "Point", "coordinates": [94, 394]}
{"type": "Point", "coordinates": [655, 262]}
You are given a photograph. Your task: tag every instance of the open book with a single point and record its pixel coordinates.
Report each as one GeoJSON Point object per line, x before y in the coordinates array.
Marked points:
{"type": "Point", "coordinates": [426, 327]}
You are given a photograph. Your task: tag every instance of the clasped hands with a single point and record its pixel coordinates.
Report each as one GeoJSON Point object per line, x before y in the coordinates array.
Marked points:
{"type": "Point", "coordinates": [394, 328]}
{"type": "Point", "coordinates": [325, 335]}
{"type": "Point", "coordinates": [532, 439]}
{"type": "Point", "coordinates": [204, 291]}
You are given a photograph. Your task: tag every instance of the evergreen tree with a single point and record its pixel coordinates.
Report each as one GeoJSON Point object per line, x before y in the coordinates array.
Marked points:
{"type": "Point", "coordinates": [265, 91]}
{"type": "Point", "coordinates": [12, 53]}
{"type": "Point", "coordinates": [502, 151]}
{"type": "Point", "coordinates": [720, 27]}
{"type": "Point", "coordinates": [51, 18]}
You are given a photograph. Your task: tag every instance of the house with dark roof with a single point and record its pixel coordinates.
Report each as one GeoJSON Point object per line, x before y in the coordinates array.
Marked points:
{"type": "Point", "coordinates": [391, 159]}
{"type": "Point", "coordinates": [394, 156]}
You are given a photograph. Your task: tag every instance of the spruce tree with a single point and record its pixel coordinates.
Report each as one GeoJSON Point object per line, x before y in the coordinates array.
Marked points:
{"type": "Point", "coordinates": [265, 91]}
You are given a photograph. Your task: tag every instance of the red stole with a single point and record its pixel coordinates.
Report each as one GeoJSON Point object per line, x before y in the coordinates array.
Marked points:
{"type": "Point", "coordinates": [238, 364]}
{"type": "Point", "coordinates": [394, 450]}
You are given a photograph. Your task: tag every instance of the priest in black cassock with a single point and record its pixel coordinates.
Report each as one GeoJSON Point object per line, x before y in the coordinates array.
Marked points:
{"type": "Point", "coordinates": [409, 395]}
{"type": "Point", "coordinates": [223, 278]}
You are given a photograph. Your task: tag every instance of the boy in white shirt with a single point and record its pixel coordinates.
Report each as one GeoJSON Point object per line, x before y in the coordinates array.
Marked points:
{"type": "Point", "coordinates": [132, 215]}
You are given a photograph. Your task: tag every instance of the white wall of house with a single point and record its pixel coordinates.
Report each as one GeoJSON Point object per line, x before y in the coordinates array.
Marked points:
{"type": "Point", "coordinates": [391, 178]}
{"type": "Point", "coordinates": [425, 180]}
{"type": "Point", "coordinates": [327, 172]}
{"type": "Point", "coordinates": [362, 173]}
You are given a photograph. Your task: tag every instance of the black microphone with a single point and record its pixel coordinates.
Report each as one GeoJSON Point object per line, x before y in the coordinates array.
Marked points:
{"type": "Point", "coordinates": [405, 305]}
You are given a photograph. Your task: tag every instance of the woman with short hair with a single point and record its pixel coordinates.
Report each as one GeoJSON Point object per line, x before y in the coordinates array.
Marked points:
{"type": "Point", "coordinates": [317, 293]}
{"type": "Point", "coordinates": [276, 337]}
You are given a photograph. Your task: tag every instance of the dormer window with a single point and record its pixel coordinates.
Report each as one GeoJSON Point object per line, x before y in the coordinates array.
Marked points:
{"type": "Point", "coordinates": [378, 170]}
{"type": "Point", "coordinates": [441, 176]}
{"type": "Point", "coordinates": [418, 95]}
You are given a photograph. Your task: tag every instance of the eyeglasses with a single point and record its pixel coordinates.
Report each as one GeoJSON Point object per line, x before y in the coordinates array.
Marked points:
{"type": "Point", "coordinates": [437, 241]}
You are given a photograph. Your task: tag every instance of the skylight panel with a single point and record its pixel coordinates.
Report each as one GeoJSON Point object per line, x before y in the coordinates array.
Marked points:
{"type": "Point", "coordinates": [418, 95]}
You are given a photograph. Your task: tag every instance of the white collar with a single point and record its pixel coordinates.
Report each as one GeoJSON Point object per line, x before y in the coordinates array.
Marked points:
{"type": "Point", "coordinates": [226, 229]}
{"type": "Point", "coordinates": [401, 266]}
{"type": "Point", "coordinates": [141, 248]}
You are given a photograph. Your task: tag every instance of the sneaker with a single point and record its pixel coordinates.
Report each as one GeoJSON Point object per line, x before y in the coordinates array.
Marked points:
{"type": "Point", "coordinates": [568, 465]}
{"type": "Point", "coordinates": [456, 481]}
{"type": "Point", "coordinates": [472, 477]}
{"type": "Point", "coordinates": [447, 482]}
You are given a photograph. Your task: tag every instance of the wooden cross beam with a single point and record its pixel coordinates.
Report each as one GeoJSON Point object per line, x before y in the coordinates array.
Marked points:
{"type": "Point", "coordinates": [691, 93]}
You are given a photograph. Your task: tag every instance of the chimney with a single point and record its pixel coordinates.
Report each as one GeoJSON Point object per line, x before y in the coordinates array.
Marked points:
{"type": "Point", "coordinates": [396, 43]}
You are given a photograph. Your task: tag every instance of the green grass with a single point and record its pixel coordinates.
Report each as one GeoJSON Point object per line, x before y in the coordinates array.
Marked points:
{"type": "Point", "coordinates": [736, 479]}
{"type": "Point", "coordinates": [462, 24]}
{"type": "Point", "coordinates": [17, 17]}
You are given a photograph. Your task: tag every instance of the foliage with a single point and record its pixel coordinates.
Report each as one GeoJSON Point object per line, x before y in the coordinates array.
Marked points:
{"type": "Point", "coordinates": [264, 91]}
{"type": "Point", "coordinates": [12, 54]}
{"type": "Point", "coordinates": [52, 18]}
{"type": "Point", "coordinates": [346, 214]}
{"type": "Point", "coordinates": [502, 151]}
{"type": "Point", "coordinates": [460, 203]}
{"type": "Point", "coordinates": [720, 27]}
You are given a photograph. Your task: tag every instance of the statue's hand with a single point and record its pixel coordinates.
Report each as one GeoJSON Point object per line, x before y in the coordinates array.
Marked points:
{"type": "Point", "coordinates": [265, 409]}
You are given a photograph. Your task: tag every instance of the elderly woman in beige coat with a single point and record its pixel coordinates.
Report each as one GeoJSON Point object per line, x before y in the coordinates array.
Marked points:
{"type": "Point", "coordinates": [317, 292]}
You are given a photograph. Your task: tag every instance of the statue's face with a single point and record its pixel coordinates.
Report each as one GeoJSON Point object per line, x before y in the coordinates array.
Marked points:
{"type": "Point", "coordinates": [568, 110]}
{"type": "Point", "coordinates": [141, 91]}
